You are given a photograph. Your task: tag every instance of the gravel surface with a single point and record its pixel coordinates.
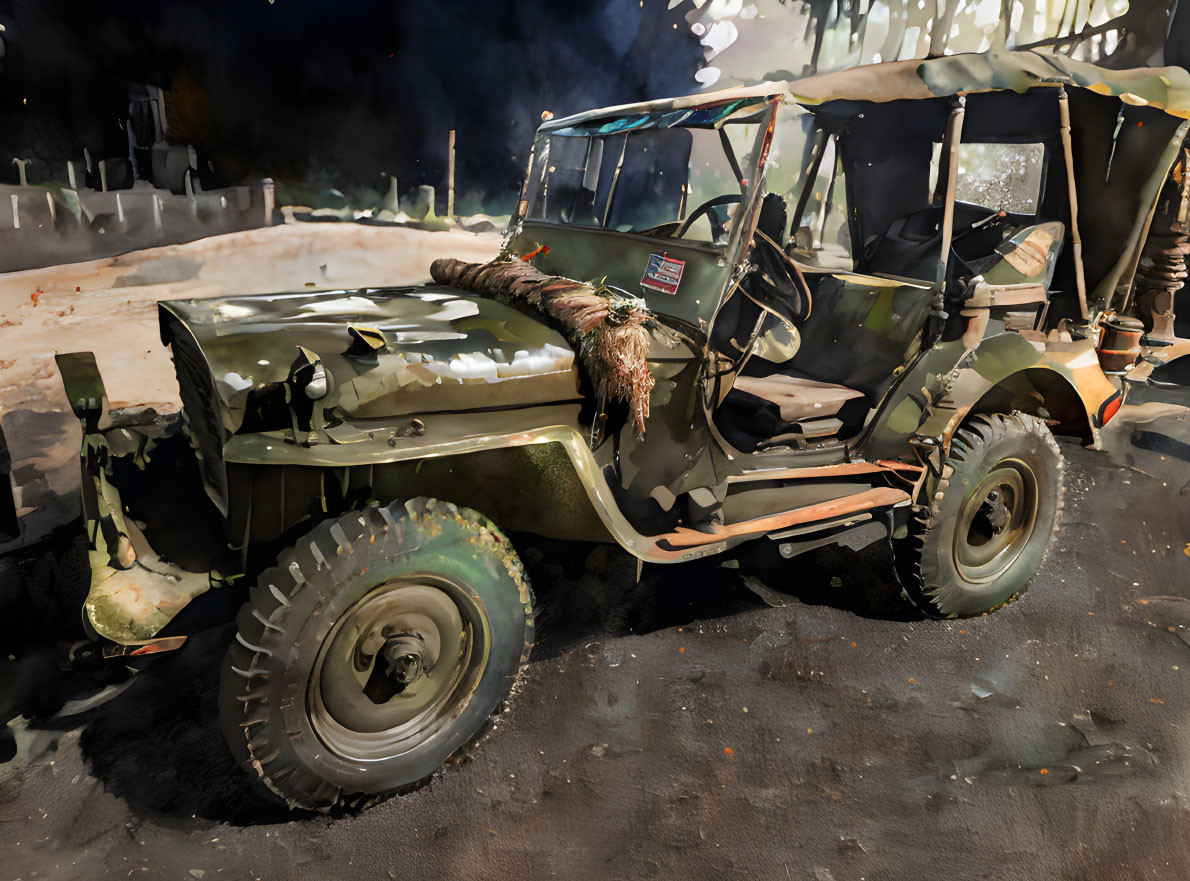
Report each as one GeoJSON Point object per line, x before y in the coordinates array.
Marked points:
{"type": "Point", "coordinates": [684, 728]}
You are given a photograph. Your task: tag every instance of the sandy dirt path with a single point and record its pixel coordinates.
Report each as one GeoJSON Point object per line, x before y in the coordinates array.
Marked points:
{"type": "Point", "coordinates": [108, 307]}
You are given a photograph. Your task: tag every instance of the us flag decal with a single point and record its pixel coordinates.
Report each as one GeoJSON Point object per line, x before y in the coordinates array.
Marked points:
{"type": "Point", "coordinates": [663, 274]}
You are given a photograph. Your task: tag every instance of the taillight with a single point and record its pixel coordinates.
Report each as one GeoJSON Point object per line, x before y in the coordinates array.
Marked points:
{"type": "Point", "coordinates": [1109, 408]}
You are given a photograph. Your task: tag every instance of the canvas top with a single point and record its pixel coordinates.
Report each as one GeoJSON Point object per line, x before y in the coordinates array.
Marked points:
{"type": "Point", "coordinates": [1166, 88]}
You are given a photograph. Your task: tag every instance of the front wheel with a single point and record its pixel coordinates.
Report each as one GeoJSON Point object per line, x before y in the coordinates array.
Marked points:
{"type": "Point", "coordinates": [375, 651]}
{"type": "Point", "coordinates": [987, 523]}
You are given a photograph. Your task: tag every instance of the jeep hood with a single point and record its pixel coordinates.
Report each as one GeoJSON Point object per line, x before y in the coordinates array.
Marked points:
{"type": "Point", "coordinates": [437, 349]}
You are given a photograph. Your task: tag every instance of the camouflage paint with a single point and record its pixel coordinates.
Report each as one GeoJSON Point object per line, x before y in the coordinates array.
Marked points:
{"type": "Point", "coordinates": [415, 375]}
{"type": "Point", "coordinates": [439, 349]}
{"type": "Point", "coordinates": [133, 592]}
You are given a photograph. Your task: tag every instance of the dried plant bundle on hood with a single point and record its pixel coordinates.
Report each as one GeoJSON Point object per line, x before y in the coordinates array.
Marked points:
{"type": "Point", "coordinates": [609, 328]}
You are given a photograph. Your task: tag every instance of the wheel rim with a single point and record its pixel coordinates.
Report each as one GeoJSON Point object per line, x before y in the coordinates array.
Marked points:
{"type": "Point", "coordinates": [397, 668]}
{"type": "Point", "coordinates": [996, 522]}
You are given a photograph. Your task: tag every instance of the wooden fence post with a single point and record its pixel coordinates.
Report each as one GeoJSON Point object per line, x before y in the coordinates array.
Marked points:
{"type": "Point", "coordinates": [270, 195]}
{"type": "Point", "coordinates": [450, 178]}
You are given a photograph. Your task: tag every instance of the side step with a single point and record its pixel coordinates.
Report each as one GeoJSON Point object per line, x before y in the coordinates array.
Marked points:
{"type": "Point", "coordinates": [868, 500]}
{"type": "Point", "coordinates": [852, 537]}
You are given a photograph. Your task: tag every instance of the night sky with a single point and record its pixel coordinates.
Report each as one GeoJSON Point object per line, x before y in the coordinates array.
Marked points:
{"type": "Point", "coordinates": [332, 92]}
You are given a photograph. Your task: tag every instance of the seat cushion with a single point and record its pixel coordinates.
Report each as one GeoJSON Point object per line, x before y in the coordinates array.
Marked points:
{"type": "Point", "coordinates": [797, 398]}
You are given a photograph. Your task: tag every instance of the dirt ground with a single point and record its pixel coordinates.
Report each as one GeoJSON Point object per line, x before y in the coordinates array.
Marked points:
{"type": "Point", "coordinates": [108, 307]}
{"type": "Point", "coordinates": [681, 727]}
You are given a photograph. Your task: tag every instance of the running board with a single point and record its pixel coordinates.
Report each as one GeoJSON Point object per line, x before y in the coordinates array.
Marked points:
{"type": "Point", "coordinates": [871, 499]}
{"type": "Point", "coordinates": [815, 528]}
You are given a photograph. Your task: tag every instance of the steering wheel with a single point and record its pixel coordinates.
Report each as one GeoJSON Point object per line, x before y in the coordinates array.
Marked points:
{"type": "Point", "coordinates": [706, 208]}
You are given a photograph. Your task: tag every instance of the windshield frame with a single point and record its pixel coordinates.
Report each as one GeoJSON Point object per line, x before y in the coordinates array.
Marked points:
{"type": "Point", "coordinates": [759, 109]}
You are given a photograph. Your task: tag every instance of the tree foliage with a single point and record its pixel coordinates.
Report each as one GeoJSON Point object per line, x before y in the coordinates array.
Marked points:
{"type": "Point", "coordinates": [831, 34]}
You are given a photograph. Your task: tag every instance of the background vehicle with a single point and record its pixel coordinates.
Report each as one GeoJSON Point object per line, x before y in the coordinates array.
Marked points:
{"type": "Point", "coordinates": [868, 297]}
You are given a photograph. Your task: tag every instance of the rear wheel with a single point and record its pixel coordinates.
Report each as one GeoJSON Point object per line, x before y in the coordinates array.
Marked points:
{"type": "Point", "coordinates": [989, 521]}
{"type": "Point", "coordinates": [376, 650]}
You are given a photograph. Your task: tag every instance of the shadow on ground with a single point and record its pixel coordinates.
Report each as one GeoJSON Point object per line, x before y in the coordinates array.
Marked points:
{"type": "Point", "coordinates": [585, 590]}
{"type": "Point", "coordinates": [156, 742]}
{"type": "Point", "coordinates": [157, 745]}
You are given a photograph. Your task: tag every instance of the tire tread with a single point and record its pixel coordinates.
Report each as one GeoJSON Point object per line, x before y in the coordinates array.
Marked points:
{"type": "Point", "coordinates": [916, 567]}
{"type": "Point", "coordinates": [261, 635]}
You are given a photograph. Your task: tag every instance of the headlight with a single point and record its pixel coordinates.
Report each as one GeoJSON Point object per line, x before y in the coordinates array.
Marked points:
{"type": "Point", "coordinates": [308, 373]}
{"type": "Point", "coordinates": [317, 388]}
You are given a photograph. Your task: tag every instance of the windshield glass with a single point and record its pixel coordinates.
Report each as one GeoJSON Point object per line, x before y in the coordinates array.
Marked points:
{"type": "Point", "coordinates": [677, 174]}
{"type": "Point", "coordinates": [805, 169]}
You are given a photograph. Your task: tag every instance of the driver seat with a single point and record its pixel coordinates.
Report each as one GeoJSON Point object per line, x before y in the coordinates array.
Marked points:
{"type": "Point", "coordinates": [771, 404]}
{"type": "Point", "coordinates": [909, 247]}
{"type": "Point", "coordinates": [798, 399]}
{"type": "Point", "coordinates": [783, 409]}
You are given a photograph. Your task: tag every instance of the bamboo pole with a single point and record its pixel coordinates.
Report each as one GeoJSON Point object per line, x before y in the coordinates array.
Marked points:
{"type": "Point", "coordinates": [1080, 281]}
{"type": "Point", "coordinates": [954, 137]}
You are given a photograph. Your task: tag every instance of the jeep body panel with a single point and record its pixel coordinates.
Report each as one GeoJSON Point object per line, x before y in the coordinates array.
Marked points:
{"type": "Point", "coordinates": [504, 462]}
{"type": "Point", "coordinates": [442, 349]}
{"type": "Point", "coordinates": [304, 405]}
{"type": "Point", "coordinates": [386, 354]}
{"type": "Point", "coordinates": [949, 382]}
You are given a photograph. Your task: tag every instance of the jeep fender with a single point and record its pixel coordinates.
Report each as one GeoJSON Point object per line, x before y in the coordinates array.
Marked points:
{"type": "Point", "coordinates": [1057, 380]}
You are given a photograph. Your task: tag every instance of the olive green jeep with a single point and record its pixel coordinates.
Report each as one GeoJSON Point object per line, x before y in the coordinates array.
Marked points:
{"type": "Point", "coordinates": [846, 309]}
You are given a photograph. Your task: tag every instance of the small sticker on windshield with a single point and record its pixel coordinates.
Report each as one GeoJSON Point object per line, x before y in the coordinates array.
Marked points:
{"type": "Point", "coordinates": [663, 274]}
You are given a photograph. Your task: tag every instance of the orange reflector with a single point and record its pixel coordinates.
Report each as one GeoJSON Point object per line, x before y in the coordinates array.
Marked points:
{"type": "Point", "coordinates": [1109, 409]}
{"type": "Point", "coordinates": [165, 644]}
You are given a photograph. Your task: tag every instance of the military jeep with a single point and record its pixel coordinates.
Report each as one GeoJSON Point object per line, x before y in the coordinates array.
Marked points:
{"type": "Point", "coordinates": [869, 299]}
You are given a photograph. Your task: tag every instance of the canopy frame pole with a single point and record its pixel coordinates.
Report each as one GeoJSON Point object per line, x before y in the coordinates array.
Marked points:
{"type": "Point", "coordinates": [954, 137]}
{"type": "Point", "coordinates": [1080, 280]}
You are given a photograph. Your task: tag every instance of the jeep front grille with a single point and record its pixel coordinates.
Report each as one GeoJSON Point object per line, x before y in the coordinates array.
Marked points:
{"type": "Point", "coordinates": [200, 407]}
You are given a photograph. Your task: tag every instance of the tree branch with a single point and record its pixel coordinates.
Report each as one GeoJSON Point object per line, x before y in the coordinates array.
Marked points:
{"type": "Point", "coordinates": [1119, 24]}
